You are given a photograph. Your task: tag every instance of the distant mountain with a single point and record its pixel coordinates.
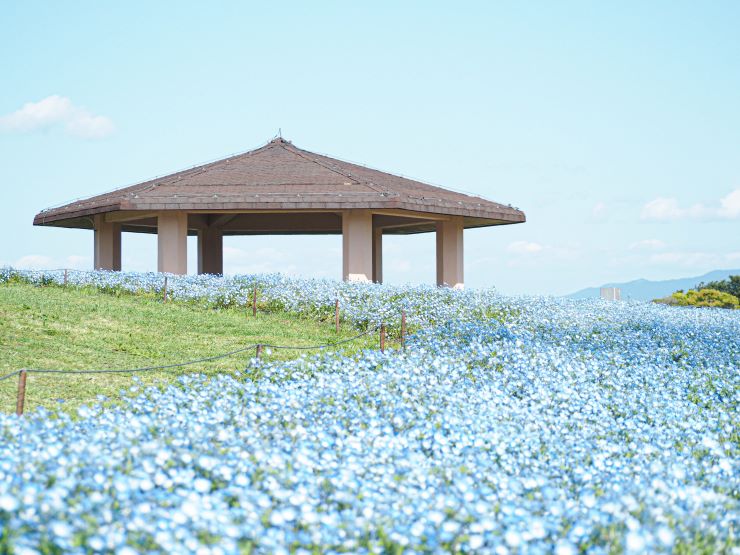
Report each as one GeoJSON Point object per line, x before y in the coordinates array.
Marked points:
{"type": "Point", "coordinates": [646, 290]}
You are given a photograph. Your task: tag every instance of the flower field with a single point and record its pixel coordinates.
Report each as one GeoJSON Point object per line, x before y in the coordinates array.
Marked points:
{"type": "Point", "coordinates": [532, 425]}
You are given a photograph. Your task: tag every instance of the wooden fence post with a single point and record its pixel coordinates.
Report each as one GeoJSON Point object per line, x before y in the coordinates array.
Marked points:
{"type": "Point", "coordinates": [65, 277]}
{"type": "Point", "coordinates": [382, 338]}
{"type": "Point", "coordinates": [164, 295]}
{"type": "Point", "coordinates": [259, 350]}
{"type": "Point", "coordinates": [254, 302]}
{"type": "Point", "coordinates": [21, 400]}
{"type": "Point", "coordinates": [336, 315]}
{"type": "Point", "coordinates": [403, 329]}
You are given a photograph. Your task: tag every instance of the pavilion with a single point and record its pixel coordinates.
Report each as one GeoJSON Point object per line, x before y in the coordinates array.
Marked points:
{"type": "Point", "coordinates": [281, 189]}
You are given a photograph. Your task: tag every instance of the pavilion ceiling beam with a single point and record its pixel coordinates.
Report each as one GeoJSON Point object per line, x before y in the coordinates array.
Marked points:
{"type": "Point", "coordinates": [281, 223]}
{"type": "Point", "coordinates": [220, 221]}
{"type": "Point", "coordinates": [407, 224]}
{"type": "Point", "coordinates": [127, 216]}
{"type": "Point", "coordinates": [197, 221]}
{"type": "Point", "coordinates": [413, 214]}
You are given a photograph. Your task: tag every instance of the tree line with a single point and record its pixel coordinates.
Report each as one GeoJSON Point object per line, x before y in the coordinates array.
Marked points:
{"type": "Point", "coordinates": [722, 294]}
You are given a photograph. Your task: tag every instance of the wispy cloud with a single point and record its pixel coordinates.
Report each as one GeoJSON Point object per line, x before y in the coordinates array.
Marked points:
{"type": "Point", "coordinates": [730, 205]}
{"type": "Point", "coordinates": [533, 254]}
{"type": "Point", "coordinates": [599, 211]}
{"type": "Point", "coordinates": [667, 209]}
{"type": "Point", "coordinates": [647, 245]}
{"type": "Point", "coordinates": [34, 262]}
{"type": "Point", "coordinates": [55, 111]}
{"type": "Point", "coordinates": [42, 262]}
{"type": "Point", "coordinates": [525, 247]}
{"type": "Point", "coordinates": [664, 209]}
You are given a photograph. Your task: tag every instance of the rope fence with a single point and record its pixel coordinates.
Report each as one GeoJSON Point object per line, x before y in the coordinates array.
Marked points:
{"type": "Point", "coordinates": [22, 374]}
{"type": "Point", "coordinates": [381, 328]}
{"type": "Point", "coordinates": [8, 376]}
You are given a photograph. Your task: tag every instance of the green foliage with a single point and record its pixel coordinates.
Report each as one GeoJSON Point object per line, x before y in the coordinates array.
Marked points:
{"type": "Point", "coordinates": [705, 298]}
{"type": "Point", "coordinates": [719, 294]}
{"type": "Point", "coordinates": [730, 285]}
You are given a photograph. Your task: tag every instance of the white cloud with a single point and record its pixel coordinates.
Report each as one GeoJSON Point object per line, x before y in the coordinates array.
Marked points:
{"type": "Point", "coordinates": [666, 209]}
{"type": "Point", "coordinates": [34, 262]}
{"type": "Point", "coordinates": [599, 210]}
{"type": "Point", "coordinates": [648, 245]}
{"type": "Point", "coordinates": [524, 247]}
{"type": "Point", "coordinates": [532, 254]}
{"type": "Point", "coordinates": [661, 208]}
{"type": "Point", "coordinates": [89, 126]}
{"type": "Point", "coordinates": [42, 262]}
{"type": "Point", "coordinates": [57, 110]}
{"type": "Point", "coordinates": [730, 205]}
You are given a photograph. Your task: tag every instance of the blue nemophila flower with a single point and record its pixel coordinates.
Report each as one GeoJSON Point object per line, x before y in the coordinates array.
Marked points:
{"type": "Point", "coordinates": [533, 425]}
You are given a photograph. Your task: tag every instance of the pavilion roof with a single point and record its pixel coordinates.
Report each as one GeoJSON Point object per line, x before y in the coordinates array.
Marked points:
{"type": "Point", "coordinates": [281, 177]}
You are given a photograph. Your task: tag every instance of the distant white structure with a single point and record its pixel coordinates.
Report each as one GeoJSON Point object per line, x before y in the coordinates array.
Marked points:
{"type": "Point", "coordinates": [611, 293]}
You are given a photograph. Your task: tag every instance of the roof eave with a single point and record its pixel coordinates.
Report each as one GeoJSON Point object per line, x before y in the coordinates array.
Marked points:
{"type": "Point", "coordinates": [50, 217]}
{"type": "Point", "coordinates": [55, 217]}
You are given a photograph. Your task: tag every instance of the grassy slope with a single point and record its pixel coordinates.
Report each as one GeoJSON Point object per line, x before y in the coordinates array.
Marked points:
{"type": "Point", "coordinates": [53, 327]}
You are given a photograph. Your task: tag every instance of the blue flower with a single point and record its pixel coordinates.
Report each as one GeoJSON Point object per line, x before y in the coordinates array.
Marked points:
{"type": "Point", "coordinates": [528, 424]}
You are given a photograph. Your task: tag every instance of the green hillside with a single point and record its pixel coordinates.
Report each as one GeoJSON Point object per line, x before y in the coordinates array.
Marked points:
{"type": "Point", "coordinates": [58, 328]}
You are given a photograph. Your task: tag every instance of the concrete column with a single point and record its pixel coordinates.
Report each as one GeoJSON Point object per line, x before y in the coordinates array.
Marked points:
{"type": "Point", "coordinates": [211, 251]}
{"type": "Point", "coordinates": [450, 252]}
{"type": "Point", "coordinates": [378, 255]}
{"type": "Point", "coordinates": [172, 242]}
{"type": "Point", "coordinates": [107, 255]}
{"type": "Point", "coordinates": [357, 245]}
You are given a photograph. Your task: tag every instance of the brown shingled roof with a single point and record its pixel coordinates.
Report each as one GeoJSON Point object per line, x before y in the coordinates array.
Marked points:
{"type": "Point", "coordinates": [280, 176]}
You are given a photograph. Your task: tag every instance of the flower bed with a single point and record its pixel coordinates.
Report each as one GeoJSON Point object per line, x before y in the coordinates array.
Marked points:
{"type": "Point", "coordinates": [509, 424]}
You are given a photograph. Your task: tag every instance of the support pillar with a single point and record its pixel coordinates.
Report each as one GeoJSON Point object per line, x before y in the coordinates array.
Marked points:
{"type": "Point", "coordinates": [172, 242]}
{"type": "Point", "coordinates": [211, 251]}
{"type": "Point", "coordinates": [450, 252]}
{"type": "Point", "coordinates": [107, 253]}
{"type": "Point", "coordinates": [378, 255]}
{"type": "Point", "coordinates": [357, 245]}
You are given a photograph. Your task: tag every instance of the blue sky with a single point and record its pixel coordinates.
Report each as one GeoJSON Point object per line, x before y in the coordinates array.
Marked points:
{"type": "Point", "coordinates": [614, 126]}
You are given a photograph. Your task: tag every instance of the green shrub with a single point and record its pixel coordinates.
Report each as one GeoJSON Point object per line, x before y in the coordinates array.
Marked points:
{"type": "Point", "coordinates": [704, 297]}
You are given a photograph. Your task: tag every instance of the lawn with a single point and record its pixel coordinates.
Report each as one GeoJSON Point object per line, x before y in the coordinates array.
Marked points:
{"type": "Point", "coordinates": [71, 328]}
